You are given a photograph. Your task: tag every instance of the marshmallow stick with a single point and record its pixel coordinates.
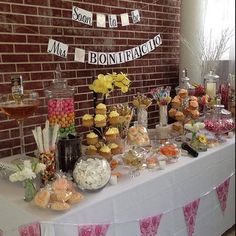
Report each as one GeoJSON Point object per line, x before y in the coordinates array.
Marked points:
{"type": "Point", "coordinates": [54, 136]}
{"type": "Point", "coordinates": [45, 140]}
{"type": "Point", "coordinates": [40, 139]}
{"type": "Point", "coordinates": [36, 138]}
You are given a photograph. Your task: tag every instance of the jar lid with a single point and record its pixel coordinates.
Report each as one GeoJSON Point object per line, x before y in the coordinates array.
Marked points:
{"type": "Point", "coordinates": [59, 87]}
{"type": "Point", "coordinates": [211, 76]}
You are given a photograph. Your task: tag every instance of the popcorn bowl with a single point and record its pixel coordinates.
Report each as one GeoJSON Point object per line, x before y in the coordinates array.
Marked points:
{"type": "Point", "coordinates": [92, 174]}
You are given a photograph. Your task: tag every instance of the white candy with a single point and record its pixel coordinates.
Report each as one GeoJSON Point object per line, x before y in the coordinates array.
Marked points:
{"type": "Point", "coordinates": [92, 174]}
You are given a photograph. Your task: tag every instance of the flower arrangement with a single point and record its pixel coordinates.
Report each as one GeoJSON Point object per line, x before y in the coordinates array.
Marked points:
{"type": "Point", "coordinates": [194, 128]}
{"type": "Point", "coordinates": [105, 84]}
{"type": "Point", "coordinates": [26, 174]}
{"type": "Point", "coordinates": [161, 95]}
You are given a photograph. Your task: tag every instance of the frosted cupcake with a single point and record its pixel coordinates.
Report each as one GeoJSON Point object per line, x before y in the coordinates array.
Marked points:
{"type": "Point", "coordinates": [114, 118]}
{"type": "Point", "coordinates": [100, 121]}
{"type": "Point", "coordinates": [91, 150]}
{"type": "Point", "coordinates": [101, 109]}
{"type": "Point", "coordinates": [112, 134]}
{"type": "Point", "coordinates": [87, 120]}
{"type": "Point", "coordinates": [115, 148]}
{"type": "Point", "coordinates": [92, 138]}
{"type": "Point", "coordinates": [105, 152]}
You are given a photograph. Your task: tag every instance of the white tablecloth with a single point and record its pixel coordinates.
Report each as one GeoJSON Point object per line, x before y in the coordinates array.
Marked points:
{"type": "Point", "coordinates": [149, 194]}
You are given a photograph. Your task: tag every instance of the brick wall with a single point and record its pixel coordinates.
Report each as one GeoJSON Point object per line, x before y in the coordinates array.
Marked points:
{"type": "Point", "coordinates": [26, 26]}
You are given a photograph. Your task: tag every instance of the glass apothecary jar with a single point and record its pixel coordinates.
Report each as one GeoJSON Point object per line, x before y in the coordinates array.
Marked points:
{"type": "Point", "coordinates": [170, 151]}
{"type": "Point", "coordinates": [138, 136]}
{"type": "Point", "coordinates": [60, 103]}
{"type": "Point", "coordinates": [185, 84]}
{"type": "Point", "coordinates": [219, 121]}
{"type": "Point", "coordinates": [211, 83]}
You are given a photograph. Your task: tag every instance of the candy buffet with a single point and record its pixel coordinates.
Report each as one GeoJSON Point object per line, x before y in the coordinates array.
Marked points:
{"type": "Point", "coordinates": [119, 176]}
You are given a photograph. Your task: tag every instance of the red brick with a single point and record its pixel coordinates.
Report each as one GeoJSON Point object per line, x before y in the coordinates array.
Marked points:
{"type": "Point", "coordinates": [25, 36]}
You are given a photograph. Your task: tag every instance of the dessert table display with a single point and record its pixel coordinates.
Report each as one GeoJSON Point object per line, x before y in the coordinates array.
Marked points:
{"type": "Point", "coordinates": [167, 198]}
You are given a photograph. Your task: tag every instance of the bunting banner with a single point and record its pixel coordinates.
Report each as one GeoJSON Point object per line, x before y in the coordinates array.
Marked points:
{"type": "Point", "coordinates": [149, 226]}
{"type": "Point", "coordinates": [222, 192]}
{"type": "Point", "coordinates": [93, 230]}
{"type": "Point", "coordinates": [32, 229]}
{"type": "Point", "coordinates": [190, 214]}
{"type": "Point", "coordinates": [86, 17]}
{"type": "Point", "coordinates": [112, 58]}
{"type": "Point", "coordinates": [103, 58]}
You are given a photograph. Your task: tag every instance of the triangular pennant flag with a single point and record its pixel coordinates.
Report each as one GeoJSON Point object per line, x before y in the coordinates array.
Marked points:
{"type": "Point", "coordinates": [93, 230]}
{"type": "Point", "coordinates": [190, 214]}
{"type": "Point", "coordinates": [149, 226]}
{"type": "Point", "coordinates": [222, 192]}
{"type": "Point", "coordinates": [32, 229]}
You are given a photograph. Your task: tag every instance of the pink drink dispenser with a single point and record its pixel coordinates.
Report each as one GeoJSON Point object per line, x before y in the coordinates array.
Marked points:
{"type": "Point", "coordinates": [60, 102]}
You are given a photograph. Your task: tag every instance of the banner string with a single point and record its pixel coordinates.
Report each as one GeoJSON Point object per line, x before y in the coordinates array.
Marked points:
{"type": "Point", "coordinates": [82, 26]}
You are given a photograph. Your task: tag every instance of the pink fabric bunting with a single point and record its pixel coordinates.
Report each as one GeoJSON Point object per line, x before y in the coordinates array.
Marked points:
{"type": "Point", "coordinates": [93, 230]}
{"type": "Point", "coordinates": [222, 192]}
{"type": "Point", "coordinates": [32, 229]}
{"type": "Point", "coordinates": [149, 226]}
{"type": "Point", "coordinates": [190, 214]}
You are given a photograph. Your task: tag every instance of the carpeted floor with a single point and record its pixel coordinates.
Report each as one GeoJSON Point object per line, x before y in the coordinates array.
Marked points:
{"type": "Point", "coordinates": [230, 232]}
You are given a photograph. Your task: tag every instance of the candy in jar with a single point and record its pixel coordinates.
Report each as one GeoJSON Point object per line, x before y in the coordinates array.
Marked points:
{"type": "Point", "coordinates": [60, 102]}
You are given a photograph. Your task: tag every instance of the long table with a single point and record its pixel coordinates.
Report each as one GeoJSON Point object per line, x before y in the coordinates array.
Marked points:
{"type": "Point", "coordinates": [152, 193]}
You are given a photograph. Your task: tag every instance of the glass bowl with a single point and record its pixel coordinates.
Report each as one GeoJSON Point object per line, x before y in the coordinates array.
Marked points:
{"type": "Point", "coordinates": [92, 174]}
{"type": "Point", "coordinates": [170, 151]}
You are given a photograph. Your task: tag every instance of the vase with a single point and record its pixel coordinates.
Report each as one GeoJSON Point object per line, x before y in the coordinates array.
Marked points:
{"type": "Point", "coordinates": [142, 116]}
{"type": "Point", "coordinates": [30, 190]}
{"type": "Point", "coordinates": [163, 115]}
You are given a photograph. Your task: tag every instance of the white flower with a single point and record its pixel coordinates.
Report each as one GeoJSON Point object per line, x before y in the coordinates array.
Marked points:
{"type": "Point", "coordinates": [40, 167]}
{"type": "Point", "coordinates": [27, 172]}
{"type": "Point", "coordinates": [194, 127]}
{"type": "Point", "coordinates": [27, 164]}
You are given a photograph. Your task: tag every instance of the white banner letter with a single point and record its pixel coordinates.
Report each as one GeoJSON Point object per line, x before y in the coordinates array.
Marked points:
{"type": "Point", "coordinates": [93, 58]}
{"type": "Point", "coordinates": [57, 48]}
{"type": "Point", "coordinates": [135, 16]}
{"type": "Point", "coordinates": [112, 19]}
{"type": "Point", "coordinates": [124, 19]}
{"type": "Point", "coordinates": [82, 16]}
{"type": "Point", "coordinates": [101, 20]}
{"type": "Point", "coordinates": [80, 55]}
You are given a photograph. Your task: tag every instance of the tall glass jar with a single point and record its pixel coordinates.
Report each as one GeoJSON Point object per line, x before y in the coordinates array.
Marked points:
{"type": "Point", "coordinates": [163, 115]}
{"type": "Point", "coordinates": [185, 84]}
{"type": "Point", "coordinates": [60, 102]}
{"type": "Point", "coordinates": [142, 116]}
{"type": "Point", "coordinates": [211, 82]}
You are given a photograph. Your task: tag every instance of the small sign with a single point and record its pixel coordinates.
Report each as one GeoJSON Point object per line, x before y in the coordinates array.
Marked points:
{"type": "Point", "coordinates": [101, 20]}
{"type": "Point", "coordinates": [57, 48]}
{"type": "Point", "coordinates": [82, 16]}
{"type": "Point", "coordinates": [80, 55]}
{"type": "Point", "coordinates": [135, 16]}
{"type": "Point", "coordinates": [112, 19]}
{"type": "Point", "coordinates": [124, 19]}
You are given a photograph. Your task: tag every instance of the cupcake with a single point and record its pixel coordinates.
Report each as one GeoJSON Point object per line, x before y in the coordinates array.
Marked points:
{"type": "Point", "coordinates": [100, 120]}
{"type": "Point", "coordinates": [194, 114]}
{"type": "Point", "coordinates": [112, 134]}
{"type": "Point", "coordinates": [105, 152]}
{"type": "Point", "coordinates": [101, 109]}
{"type": "Point", "coordinates": [183, 93]}
{"type": "Point", "coordinates": [176, 102]}
{"type": "Point", "coordinates": [87, 120]}
{"type": "Point", "coordinates": [179, 116]}
{"type": "Point", "coordinates": [172, 112]}
{"type": "Point", "coordinates": [115, 148]}
{"type": "Point", "coordinates": [178, 127]}
{"type": "Point", "coordinates": [193, 105]}
{"type": "Point", "coordinates": [114, 118]}
{"type": "Point", "coordinates": [92, 138]}
{"type": "Point", "coordinates": [91, 150]}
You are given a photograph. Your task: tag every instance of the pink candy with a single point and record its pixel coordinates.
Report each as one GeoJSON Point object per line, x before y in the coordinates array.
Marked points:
{"type": "Point", "coordinates": [60, 106]}
{"type": "Point", "coordinates": [219, 126]}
